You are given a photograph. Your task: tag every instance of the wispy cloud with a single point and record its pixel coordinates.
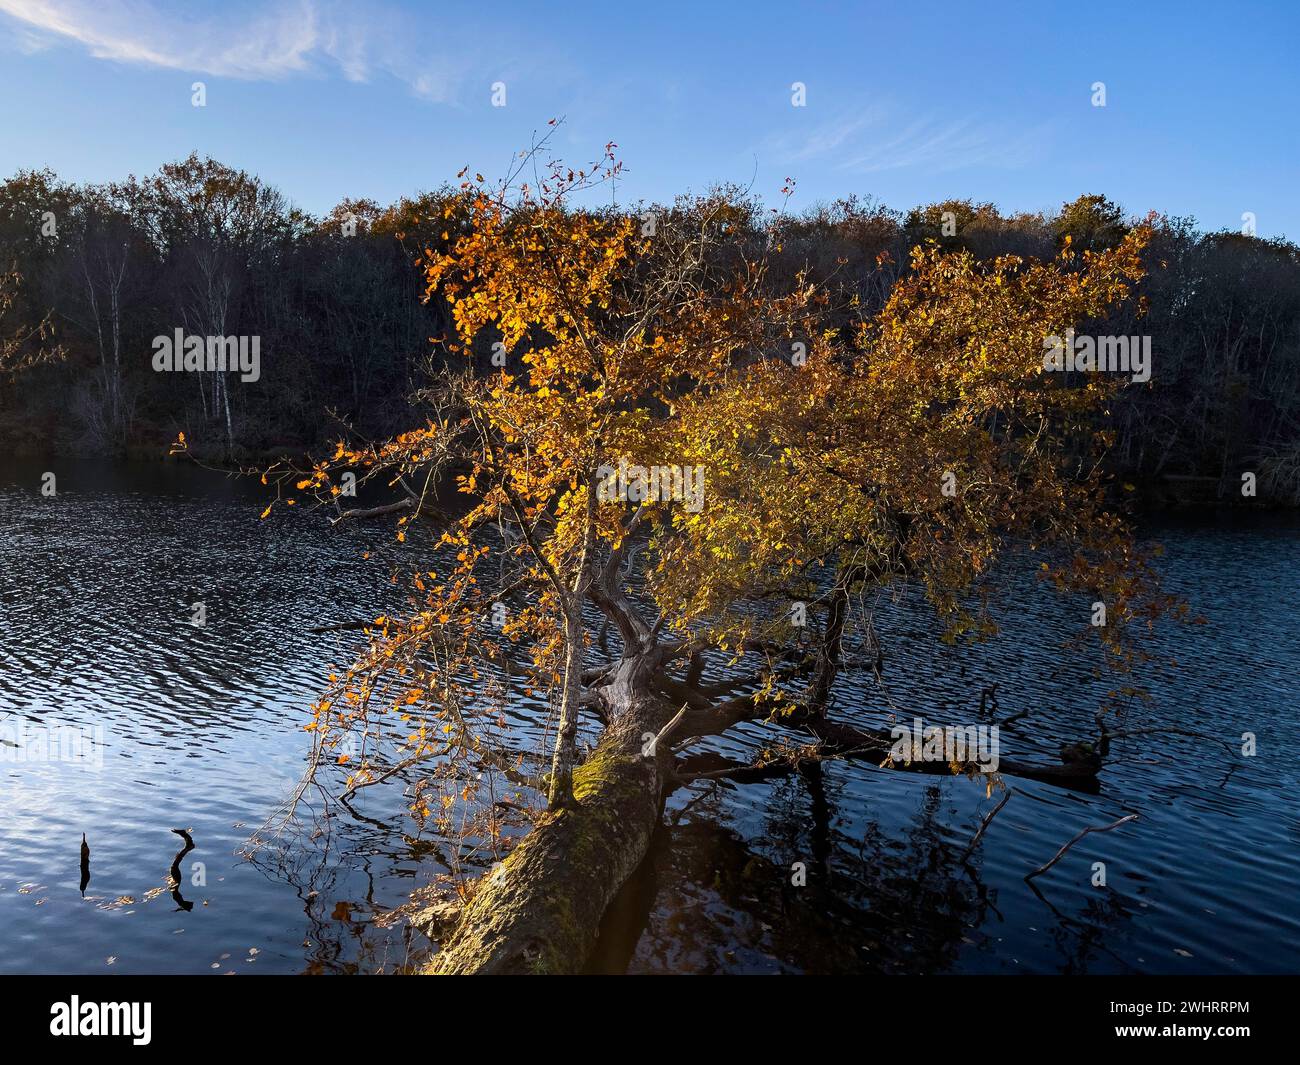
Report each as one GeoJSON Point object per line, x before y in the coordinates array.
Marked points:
{"type": "Point", "coordinates": [828, 138]}
{"type": "Point", "coordinates": [272, 42]}
{"type": "Point", "coordinates": [874, 139]}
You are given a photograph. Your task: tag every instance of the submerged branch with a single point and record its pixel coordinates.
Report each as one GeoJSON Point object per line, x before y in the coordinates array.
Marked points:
{"type": "Point", "coordinates": [360, 514]}
{"type": "Point", "coordinates": [984, 824]}
{"type": "Point", "coordinates": [1092, 828]}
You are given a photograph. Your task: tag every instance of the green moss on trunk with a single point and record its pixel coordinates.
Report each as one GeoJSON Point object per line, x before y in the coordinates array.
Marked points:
{"type": "Point", "coordinates": [540, 910]}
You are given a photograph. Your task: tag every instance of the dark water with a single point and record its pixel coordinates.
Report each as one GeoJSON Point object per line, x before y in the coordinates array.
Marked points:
{"type": "Point", "coordinates": [199, 728]}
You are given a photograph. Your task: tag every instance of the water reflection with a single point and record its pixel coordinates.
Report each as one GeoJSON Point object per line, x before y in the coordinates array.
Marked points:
{"type": "Point", "coordinates": [871, 904]}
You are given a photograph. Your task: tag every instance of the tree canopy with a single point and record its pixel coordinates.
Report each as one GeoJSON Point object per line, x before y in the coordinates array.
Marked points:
{"type": "Point", "coordinates": [836, 448]}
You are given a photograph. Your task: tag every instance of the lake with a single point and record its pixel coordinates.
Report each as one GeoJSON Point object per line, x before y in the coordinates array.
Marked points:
{"type": "Point", "coordinates": [157, 723]}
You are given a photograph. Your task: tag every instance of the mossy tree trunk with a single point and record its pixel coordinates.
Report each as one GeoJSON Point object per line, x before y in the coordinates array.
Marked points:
{"type": "Point", "coordinates": [539, 911]}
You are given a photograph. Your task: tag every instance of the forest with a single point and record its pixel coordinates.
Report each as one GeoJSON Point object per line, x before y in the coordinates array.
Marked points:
{"type": "Point", "coordinates": [350, 330]}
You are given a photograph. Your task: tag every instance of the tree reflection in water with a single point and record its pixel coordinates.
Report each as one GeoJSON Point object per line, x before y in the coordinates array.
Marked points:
{"type": "Point", "coordinates": [874, 905]}
{"type": "Point", "coordinates": [708, 899]}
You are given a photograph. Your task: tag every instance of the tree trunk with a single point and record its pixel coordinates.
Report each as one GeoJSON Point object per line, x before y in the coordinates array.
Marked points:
{"type": "Point", "coordinates": [561, 788]}
{"type": "Point", "coordinates": [539, 911]}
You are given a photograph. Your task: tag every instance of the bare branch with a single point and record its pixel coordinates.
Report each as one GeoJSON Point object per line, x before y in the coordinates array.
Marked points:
{"type": "Point", "coordinates": [1061, 853]}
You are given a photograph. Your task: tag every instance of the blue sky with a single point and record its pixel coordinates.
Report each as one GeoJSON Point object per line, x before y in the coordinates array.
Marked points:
{"type": "Point", "coordinates": [908, 102]}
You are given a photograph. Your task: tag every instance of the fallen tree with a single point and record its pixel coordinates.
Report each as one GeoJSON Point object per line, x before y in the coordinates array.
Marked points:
{"type": "Point", "coordinates": [540, 910]}
{"type": "Point", "coordinates": [680, 487]}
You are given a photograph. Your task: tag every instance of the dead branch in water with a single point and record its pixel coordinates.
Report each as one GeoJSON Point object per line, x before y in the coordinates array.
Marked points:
{"type": "Point", "coordinates": [1061, 853]}
{"type": "Point", "coordinates": [342, 626]}
{"type": "Point", "coordinates": [985, 824]}
{"type": "Point", "coordinates": [1125, 733]}
{"type": "Point", "coordinates": [374, 512]}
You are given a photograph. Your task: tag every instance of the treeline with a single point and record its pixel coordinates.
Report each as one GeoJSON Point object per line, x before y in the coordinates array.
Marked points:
{"type": "Point", "coordinates": [214, 252]}
{"type": "Point", "coordinates": [347, 334]}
